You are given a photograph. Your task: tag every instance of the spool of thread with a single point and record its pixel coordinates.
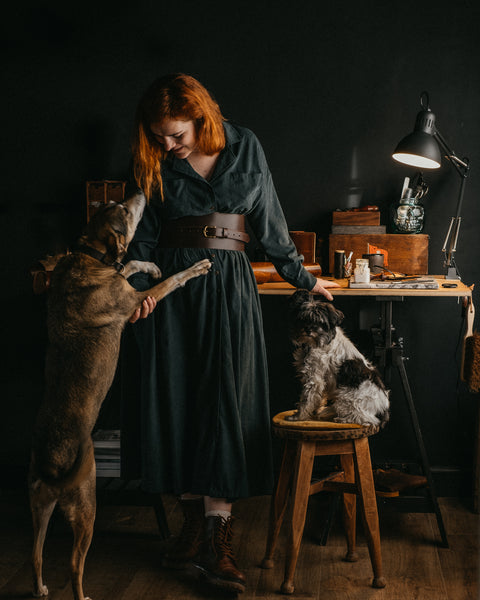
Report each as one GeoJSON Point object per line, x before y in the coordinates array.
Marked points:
{"type": "Point", "coordinates": [338, 264]}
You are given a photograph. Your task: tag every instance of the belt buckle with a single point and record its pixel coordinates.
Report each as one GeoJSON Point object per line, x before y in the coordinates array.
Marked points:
{"type": "Point", "coordinates": [207, 231]}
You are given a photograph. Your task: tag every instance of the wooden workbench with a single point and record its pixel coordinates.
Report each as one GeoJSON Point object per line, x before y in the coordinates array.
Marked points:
{"type": "Point", "coordinates": [462, 290]}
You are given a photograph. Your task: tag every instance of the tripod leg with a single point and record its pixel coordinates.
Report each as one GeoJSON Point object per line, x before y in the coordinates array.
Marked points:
{"type": "Point", "coordinates": [398, 359]}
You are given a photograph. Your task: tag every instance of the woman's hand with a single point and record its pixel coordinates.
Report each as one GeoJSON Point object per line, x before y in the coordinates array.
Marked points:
{"type": "Point", "coordinates": [319, 288]}
{"type": "Point", "coordinates": [147, 307]}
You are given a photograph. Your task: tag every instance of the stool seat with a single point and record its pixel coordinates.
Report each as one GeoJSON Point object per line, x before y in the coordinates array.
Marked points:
{"type": "Point", "coordinates": [304, 440]}
{"type": "Point", "coordinates": [318, 430]}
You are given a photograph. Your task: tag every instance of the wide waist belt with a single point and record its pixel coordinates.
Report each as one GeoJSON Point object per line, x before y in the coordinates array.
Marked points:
{"type": "Point", "coordinates": [216, 230]}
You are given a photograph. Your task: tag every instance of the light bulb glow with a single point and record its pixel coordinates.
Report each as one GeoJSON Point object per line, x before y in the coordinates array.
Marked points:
{"type": "Point", "coordinates": [415, 160]}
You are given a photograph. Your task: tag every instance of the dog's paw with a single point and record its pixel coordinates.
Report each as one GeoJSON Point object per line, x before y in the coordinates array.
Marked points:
{"type": "Point", "coordinates": [293, 417]}
{"type": "Point", "coordinates": [156, 272]}
{"type": "Point", "coordinates": [326, 413]}
{"type": "Point", "coordinates": [202, 266]}
{"type": "Point", "coordinates": [40, 592]}
{"type": "Point", "coordinates": [142, 266]}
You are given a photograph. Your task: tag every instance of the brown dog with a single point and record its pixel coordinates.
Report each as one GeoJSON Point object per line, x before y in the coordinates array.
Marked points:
{"type": "Point", "coordinates": [89, 304]}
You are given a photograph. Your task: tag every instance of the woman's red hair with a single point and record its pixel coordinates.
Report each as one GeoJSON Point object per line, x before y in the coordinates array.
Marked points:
{"type": "Point", "coordinates": [176, 97]}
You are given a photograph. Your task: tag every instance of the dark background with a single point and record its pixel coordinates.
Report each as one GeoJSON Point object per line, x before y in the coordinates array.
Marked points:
{"type": "Point", "coordinates": [317, 82]}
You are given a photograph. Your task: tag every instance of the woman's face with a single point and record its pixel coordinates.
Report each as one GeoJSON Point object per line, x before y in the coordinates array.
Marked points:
{"type": "Point", "coordinates": [178, 137]}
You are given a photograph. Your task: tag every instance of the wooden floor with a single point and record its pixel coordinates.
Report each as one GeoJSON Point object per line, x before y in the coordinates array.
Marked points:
{"type": "Point", "coordinates": [123, 562]}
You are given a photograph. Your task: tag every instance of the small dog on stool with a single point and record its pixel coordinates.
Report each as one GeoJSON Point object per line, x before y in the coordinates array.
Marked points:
{"type": "Point", "coordinates": [339, 383]}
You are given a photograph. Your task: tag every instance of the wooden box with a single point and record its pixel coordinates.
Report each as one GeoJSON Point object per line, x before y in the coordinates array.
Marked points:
{"type": "Point", "coordinates": [265, 272]}
{"type": "Point", "coordinates": [305, 243]}
{"type": "Point", "coordinates": [407, 253]}
{"type": "Point", "coordinates": [356, 217]}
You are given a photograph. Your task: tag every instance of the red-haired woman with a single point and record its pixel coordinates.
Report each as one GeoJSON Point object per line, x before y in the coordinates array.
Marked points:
{"type": "Point", "coordinates": [205, 424]}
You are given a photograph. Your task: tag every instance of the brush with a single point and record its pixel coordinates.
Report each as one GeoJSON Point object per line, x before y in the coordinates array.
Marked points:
{"type": "Point", "coordinates": [470, 369]}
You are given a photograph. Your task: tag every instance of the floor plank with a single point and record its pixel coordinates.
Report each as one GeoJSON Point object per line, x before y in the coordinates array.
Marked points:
{"type": "Point", "coordinates": [124, 559]}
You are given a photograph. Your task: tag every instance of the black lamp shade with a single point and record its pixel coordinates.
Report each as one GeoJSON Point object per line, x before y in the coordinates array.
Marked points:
{"type": "Point", "coordinates": [420, 149]}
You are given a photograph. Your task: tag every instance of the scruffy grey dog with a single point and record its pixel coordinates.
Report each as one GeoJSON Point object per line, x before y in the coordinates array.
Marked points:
{"type": "Point", "coordinates": [339, 383]}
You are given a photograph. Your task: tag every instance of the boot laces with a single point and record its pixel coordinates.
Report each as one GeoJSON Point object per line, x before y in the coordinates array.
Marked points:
{"type": "Point", "coordinates": [223, 536]}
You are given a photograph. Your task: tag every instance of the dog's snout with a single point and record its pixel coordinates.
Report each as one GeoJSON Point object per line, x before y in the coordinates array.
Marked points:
{"type": "Point", "coordinates": [307, 332]}
{"type": "Point", "coordinates": [135, 203]}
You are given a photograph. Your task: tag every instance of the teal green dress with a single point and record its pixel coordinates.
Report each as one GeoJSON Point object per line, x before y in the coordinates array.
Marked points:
{"type": "Point", "coordinates": [201, 402]}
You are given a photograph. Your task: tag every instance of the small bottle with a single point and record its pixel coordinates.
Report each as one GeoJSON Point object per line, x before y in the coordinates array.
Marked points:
{"type": "Point", "coordinates": [362, 271]}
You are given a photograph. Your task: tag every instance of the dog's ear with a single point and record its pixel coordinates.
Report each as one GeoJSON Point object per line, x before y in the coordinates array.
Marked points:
{"type": "Point", "coordinates": [335, 316]}
{"type": "Point", "coordinates": [299, 298]}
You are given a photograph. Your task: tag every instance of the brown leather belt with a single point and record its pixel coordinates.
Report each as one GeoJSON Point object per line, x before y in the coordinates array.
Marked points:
{"type": "Point", "coordinates": [216, 230]}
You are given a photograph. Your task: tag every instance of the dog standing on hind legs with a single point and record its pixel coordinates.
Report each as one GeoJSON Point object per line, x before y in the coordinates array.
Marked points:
{"type": "Point", "coordinates": [338, 382]}
{"type": "Point", "coordinates": [89, 304]}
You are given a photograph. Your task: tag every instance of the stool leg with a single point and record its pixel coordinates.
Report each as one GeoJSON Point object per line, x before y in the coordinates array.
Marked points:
{"type": "Point", "coordinates": [299, 500]}
{"type": "Point", "coordinates": [369, 508]}
{"type": "Point", "coordinates": [349, 509]}
{"type": "Point", "coordinates": [279, 502]}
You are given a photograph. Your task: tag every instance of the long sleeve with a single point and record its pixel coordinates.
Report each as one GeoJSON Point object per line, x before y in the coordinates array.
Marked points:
{"type": "Point", "coordinates": [270, 227]}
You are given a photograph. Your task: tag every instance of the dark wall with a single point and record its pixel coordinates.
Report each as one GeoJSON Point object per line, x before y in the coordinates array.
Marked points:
{"type": "Point", "coordinates": [316, 84]}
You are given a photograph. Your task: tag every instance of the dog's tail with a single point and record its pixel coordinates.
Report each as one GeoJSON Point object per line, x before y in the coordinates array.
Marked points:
{"type": "Point", "coordinates": [65, 476]}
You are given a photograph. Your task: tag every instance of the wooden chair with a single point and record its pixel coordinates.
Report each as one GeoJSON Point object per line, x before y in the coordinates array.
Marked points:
{"type": "Point", "coordinates": [304, 440]}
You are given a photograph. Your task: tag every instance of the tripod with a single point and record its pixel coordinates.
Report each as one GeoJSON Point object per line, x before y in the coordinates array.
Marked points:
{"type": "Point", "coordinates": [389, 353]}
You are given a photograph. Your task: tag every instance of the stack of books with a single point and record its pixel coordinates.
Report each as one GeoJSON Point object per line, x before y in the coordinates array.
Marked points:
{"type": "Point", "coordinates": [106, 444]}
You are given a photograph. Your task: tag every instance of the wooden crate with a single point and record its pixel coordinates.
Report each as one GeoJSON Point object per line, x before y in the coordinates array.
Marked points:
{"type": "Point", "coordinates": [353, 217]}
{"type": "Point", "coordinates": [407, 253]}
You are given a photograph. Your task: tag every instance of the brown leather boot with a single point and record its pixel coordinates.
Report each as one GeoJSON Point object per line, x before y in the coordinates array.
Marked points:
{"type": "Point", "coordinates": [186, 545]}
{"type": "Point", "coordinates": [215, 561]}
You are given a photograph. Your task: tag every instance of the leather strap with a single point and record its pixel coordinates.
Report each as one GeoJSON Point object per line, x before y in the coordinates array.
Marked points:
{"type": "Point", "coordinates": [215, 230]}
{"type": "Point", "coordinates": [94, 253]}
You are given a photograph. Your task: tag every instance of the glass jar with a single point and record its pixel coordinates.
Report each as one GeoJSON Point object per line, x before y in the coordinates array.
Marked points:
{"type": "Point", "coordinates": [408, 216]}
{"type": "Point", "coordinates": [361, 273]}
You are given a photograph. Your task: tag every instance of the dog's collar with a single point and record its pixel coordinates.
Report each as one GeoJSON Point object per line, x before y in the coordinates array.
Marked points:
{"type": "Point", "coordinates": [94, 253]}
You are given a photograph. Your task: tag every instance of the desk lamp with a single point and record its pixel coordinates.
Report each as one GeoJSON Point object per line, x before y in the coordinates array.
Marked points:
{"type": "Point", "coordinates": [422, 149]}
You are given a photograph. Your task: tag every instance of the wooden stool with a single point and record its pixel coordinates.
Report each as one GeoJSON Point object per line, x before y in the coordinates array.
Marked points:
{"type": "Point", "coordinates": [303, 441]}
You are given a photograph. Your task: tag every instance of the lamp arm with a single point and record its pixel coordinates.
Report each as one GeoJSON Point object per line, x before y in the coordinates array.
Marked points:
{"type": "Point", "coordinates": [461, 165]}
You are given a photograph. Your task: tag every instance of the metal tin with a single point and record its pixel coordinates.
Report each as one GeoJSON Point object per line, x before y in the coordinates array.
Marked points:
{"type": "Point", "coordinates": [339, 264]}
